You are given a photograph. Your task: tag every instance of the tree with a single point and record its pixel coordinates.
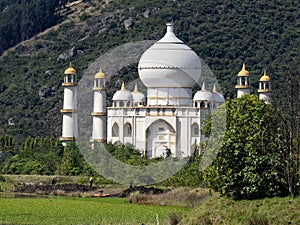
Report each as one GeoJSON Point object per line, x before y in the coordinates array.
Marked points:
{"type": "Point", "coordinates": [288, 100]}
{"type": "Point", "coordinates": [71, 163]}
{"type": "Point", "coordinates": [250, 163]}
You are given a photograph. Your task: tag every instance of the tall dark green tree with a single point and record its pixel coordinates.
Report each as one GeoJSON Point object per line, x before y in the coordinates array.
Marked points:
{"type": "Point", "coordinates": [72, 161]}
{"type": "Point", "coordinates": [251, 161]}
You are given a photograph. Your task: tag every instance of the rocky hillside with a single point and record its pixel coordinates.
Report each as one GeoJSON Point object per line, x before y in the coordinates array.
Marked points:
{"type": "Point", "coordinates": [261, 33]}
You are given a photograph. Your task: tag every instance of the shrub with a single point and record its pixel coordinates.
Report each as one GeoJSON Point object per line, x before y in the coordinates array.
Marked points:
{"type": "Point", "coordinates": [174, 218]}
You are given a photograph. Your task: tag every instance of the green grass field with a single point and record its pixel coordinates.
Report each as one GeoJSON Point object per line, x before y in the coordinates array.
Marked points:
{"type": "Point", "coordinates": [217, 210]}
{"type": "Point", "coordinates": [67, 210]}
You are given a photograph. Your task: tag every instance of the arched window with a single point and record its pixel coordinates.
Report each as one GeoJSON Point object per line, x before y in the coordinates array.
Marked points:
{"type": "Point", "coordinates": [127, 130]}
{"type": "Point", "coordinates": [202, 105]}
{"type": "Point", "coordinates": [195, 130]}
{"type": "Point", "coordinates": [115, 130]}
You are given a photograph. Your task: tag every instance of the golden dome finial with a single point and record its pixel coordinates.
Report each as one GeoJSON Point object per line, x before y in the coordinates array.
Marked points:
{"type": "Point", "coordinates": [136, 89]}
{"type": "Point", "coordinates": [215, 88]}
{"type": "Point", "coordinates": [265, 77]}
{"type": "Point", "coordinates": [243, 72]}
{"type": "Point", "coordinates": [70, 70]}
{"type": "Point", "coordinates": [100, 74]}
{"type": "Point", "coordinates": [123, 86]}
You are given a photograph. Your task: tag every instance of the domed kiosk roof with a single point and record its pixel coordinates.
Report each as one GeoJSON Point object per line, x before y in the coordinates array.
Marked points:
{"type": "Point", "coordinates": [218, 97]}
{"type": "Point", "coordinates": [169, 63]}
{"type": "Point", "coordinates": [265, 77]}
{"type": "Point", "coordinates": [70, 70]}
{"type": "Point", "coordinates": [203, 95]}
{"type": "Point", "coordinates": [122, 95]}
{"type": "Point", "coordinates": [137, 95]}
{"type": "Point", "coordinates": [100, 74]}
{"type": "Point", "coordinates": [243, 72]}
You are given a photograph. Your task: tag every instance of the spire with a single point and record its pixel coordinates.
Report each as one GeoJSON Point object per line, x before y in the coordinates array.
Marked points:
{"type": "Point", "coordinates": [243, 72]}
{"type": "Point", "coordinates": [170, 36]}
{"type": "Point", "coordinates": [215, 88]}
{"type": "Point", "coordinates": [203, 87]}
{"type": "Point", "coordinates": [170, 27]}
{"type": "Point", "coordinates": [265, 77]}
{"type": "Point", "coordinates": [136, 89]}
{"type": "Point", "coordinates": [70, 70]}
{"type": "Point", "coordinates": [123, 86]}
{"type": "Point", "coordinates": [100, 74]}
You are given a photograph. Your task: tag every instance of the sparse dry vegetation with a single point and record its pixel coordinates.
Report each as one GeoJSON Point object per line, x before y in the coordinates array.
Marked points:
{"type": "Point", "coordinates": [185, 197]}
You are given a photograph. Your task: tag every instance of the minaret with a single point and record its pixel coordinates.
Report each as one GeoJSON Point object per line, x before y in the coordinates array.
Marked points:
{"type": "Point", "coordinates": [265, 88]}
{"type": "Point", "coordinates": [99, 113]}
{"type": "Point", "coordinates": [243, 85]}
{"type": "Point", "coordinates": [69, 126]}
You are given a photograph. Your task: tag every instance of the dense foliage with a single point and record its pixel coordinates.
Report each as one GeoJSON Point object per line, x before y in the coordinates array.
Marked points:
{"type": "Point", "coordinates": [48, 157]}
{"type": "Point", "coordinates": [41, 156]}
{"type": "Point", "coordinates": [23, 19]}
{"type": "Point", "coordinates": [251, 162]}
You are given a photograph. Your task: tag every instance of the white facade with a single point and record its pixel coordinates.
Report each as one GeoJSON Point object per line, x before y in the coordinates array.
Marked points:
{"type": "Point", "coordinates": [171, 118]}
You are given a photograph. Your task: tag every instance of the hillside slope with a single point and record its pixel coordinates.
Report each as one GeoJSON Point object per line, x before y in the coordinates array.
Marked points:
{"type": "Point", "coordinates": [263, 34]}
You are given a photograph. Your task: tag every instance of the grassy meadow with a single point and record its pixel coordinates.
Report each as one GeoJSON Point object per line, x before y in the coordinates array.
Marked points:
{"type": "Point", "coordinates": [217, 210]}
{"type": "Point", "coordinates": [68, 210]}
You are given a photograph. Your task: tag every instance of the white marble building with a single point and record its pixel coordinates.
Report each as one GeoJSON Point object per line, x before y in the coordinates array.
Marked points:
{"type": "Point", "coordinates": [169, 117]}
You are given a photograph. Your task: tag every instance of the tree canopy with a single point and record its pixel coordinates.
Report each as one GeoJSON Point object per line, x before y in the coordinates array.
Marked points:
{"type": "Point", "coordinates": [251, 162]}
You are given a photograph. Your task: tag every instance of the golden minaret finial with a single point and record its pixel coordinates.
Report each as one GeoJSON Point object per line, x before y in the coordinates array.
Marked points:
{"type": "Point", "coordinates": [215, 88]}
{"type": "Point", "coordinates": [123, 87]}
{"type": "Point", "coordinates": [244, 66]}
{"type": "Point", "coordinates": [136, 89]}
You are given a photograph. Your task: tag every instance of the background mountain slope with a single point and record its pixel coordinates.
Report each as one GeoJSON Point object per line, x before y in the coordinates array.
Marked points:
{"type": "Point", "coordinates": [261, 33]}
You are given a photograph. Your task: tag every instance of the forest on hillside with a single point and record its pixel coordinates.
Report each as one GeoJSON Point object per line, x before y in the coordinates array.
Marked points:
{"type": "Point", "coordinates": [225, 34]}
{"type": "Point", "coordinates": [22, 19]}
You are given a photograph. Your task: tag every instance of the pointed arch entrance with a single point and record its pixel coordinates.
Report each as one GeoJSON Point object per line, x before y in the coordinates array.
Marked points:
{"type": "Point", "coordinates": [160, 136]}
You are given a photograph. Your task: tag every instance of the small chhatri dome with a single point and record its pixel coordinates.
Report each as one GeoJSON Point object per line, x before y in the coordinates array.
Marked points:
{"type": "Point", "coordinates": [203, 95]}
{"type": "Point", "coordinates": [122, 95]}
{"type": "Point", "coordinates": [137, 95]}
{"type": "Point", "coordinates": [243, 72]}
{"type": "Point", "coordinates": [218, 98]}
{"type": "Point", "coordinates": [70, 70]}
{"type": "Point", "coordinates": [265, 77]}
{"type": "Point", "coordinates": [100, 74]}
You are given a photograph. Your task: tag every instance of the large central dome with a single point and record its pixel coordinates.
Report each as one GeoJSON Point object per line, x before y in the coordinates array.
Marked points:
{"type": "Point", "coordinates": [169, 63]}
